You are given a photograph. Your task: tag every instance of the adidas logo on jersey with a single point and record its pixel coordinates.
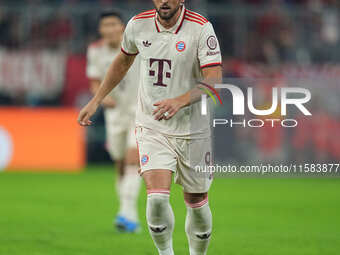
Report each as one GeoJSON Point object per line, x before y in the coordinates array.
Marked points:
{"type": "Point", "coordinates": [146, 43]}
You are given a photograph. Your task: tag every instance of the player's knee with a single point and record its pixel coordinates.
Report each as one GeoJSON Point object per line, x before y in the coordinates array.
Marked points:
{"type": "Point", "coordinates": [120, 165]}
{"type": "Point", "coordinates": [157, 210]}
{"type": "Point", "coordinates": [192, 199]}
{"type": "Point", "coordinates": [157, 180]}
{"type": "Point", "coordinates": [157, 204]}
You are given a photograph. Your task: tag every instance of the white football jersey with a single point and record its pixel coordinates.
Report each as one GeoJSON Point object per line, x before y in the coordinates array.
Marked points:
{"type": "Point", "coordinates": [170, 65]}
{"type": "Point", "coordinates": [99, 58]}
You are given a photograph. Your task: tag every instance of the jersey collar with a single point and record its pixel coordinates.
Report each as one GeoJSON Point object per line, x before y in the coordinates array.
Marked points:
{"type": "Point", "coordinates": [175, 29]}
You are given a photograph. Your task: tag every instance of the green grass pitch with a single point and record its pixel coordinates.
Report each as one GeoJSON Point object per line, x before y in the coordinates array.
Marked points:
{"type": "Point", "coordinates": [71, 214]}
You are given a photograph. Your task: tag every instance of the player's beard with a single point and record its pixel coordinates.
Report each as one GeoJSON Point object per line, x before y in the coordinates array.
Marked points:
{"type": "Point", "coordinates": [170, 14]}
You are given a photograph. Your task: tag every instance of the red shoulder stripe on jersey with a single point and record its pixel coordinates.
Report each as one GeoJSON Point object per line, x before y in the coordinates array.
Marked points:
{"type": "Point", "coordinates": [129, 54]}
{"type": "Point", "coordinates": [157, 26]}
{"type": "Point", "coordinates": [146, 12]}
{"type": "Point", "coordinates": [198, 15]}
{"type": "Point", "coordinates": [144, 17]}
{"type": "Point", "coordinates": [180, 25]}
{"type": "Point", "coordinates": [194, 20]}
{"type": "Point", "coordinates": [194, 17]}
{"type": "Point", "coordinates": [212, 64]}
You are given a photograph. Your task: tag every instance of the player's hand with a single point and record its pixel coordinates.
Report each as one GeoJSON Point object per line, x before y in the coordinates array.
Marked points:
{"type": "Point", "coordinates": [86, 113]}
{"type": "Point", "coordinates": [167, 108]}
{"type": "Point", "coordinates": [108, 102]}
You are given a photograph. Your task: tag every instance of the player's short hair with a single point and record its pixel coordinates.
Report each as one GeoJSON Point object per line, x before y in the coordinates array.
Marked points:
{"type": "Point", "coordinates": [110, 13]}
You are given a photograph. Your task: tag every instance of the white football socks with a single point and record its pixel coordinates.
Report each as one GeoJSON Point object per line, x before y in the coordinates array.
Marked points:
{"type": "Point", "coordinates": [198, 226]}
{"type": "Point", "coordinates": [160, 219]}
{"type": "Point", "coordinates": [118, 185]}
{"type": "Point", "coordinates": [128, 194]}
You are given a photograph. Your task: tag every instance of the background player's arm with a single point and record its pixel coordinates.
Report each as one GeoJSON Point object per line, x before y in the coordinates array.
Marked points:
{"type": "Point", "coordinates": [212, 75]}
{"type": "Point", "coordinates": [114, 75]}
{"type": "Point", "coordinates": [107, 101]}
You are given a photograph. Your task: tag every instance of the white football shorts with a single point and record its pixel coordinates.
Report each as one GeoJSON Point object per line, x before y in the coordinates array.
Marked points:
{"type": "Point", "coordinates": [182, 156]}
{"type": "Point", "coordinates": [120, 136]}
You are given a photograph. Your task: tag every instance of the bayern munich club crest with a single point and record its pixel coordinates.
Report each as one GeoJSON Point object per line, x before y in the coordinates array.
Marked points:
{"type": "Point", "coordinates": [180, 46]}
{"type": "Point", "coordinates": [144, 159]}
{"type": "Point", "coordinates": [212, 42]}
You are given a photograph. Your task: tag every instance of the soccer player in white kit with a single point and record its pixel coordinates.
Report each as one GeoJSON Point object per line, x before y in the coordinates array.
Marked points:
{"type": "Point", "coordinates": [178, 48]}
{"type": "Point", "coordinates": [119, 111]}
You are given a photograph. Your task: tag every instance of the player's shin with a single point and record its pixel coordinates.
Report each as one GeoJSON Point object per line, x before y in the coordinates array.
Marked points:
{"type": "Point", "coordinates": [120, 174]}
{"type": "Point", "coordinates": [129, 192]}
{"type": "Point", "coordinates": [198, 227]}
{"type": "Point", "coordinates": [160, 219]}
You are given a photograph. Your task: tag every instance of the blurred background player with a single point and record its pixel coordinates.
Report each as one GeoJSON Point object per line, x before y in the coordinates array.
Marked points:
{"type": "Point", "coordinates": [119, 113]}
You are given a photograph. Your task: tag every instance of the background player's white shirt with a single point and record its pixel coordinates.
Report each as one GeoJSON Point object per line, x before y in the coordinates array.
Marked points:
{"type": "Point", "coordinates": [99, 58]}
{"type": "Point", "coordinates": [171, 62]}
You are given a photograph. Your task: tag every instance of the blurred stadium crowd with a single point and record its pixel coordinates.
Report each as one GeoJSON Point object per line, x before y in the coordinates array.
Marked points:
{"type": "Point", "coordinates": [43, 47]}
{"type": "Point", "coordinates": [267, 31]}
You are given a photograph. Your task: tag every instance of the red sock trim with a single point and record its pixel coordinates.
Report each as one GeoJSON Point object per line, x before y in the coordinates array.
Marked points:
{"type": "Point", "coordinates": [158, 191]}
{"type": "Point", "coordinates": [197, 205]}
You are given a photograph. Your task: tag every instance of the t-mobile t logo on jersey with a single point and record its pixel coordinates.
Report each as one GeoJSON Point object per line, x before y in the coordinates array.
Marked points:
{"type": "Point", "coordinates": [161, 72]}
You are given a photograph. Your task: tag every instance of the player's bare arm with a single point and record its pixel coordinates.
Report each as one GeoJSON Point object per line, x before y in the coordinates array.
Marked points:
{"type": "Point", "coordinates": [114, 75]}
{"type": "Point", "coordinates": [108, 102]}
{"type": "Point", "coordinates": [167, 108]}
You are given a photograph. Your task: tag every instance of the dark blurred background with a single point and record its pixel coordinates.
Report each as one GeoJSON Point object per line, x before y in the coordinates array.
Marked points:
{"type": "Point", "coordinates": [43, 56]}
